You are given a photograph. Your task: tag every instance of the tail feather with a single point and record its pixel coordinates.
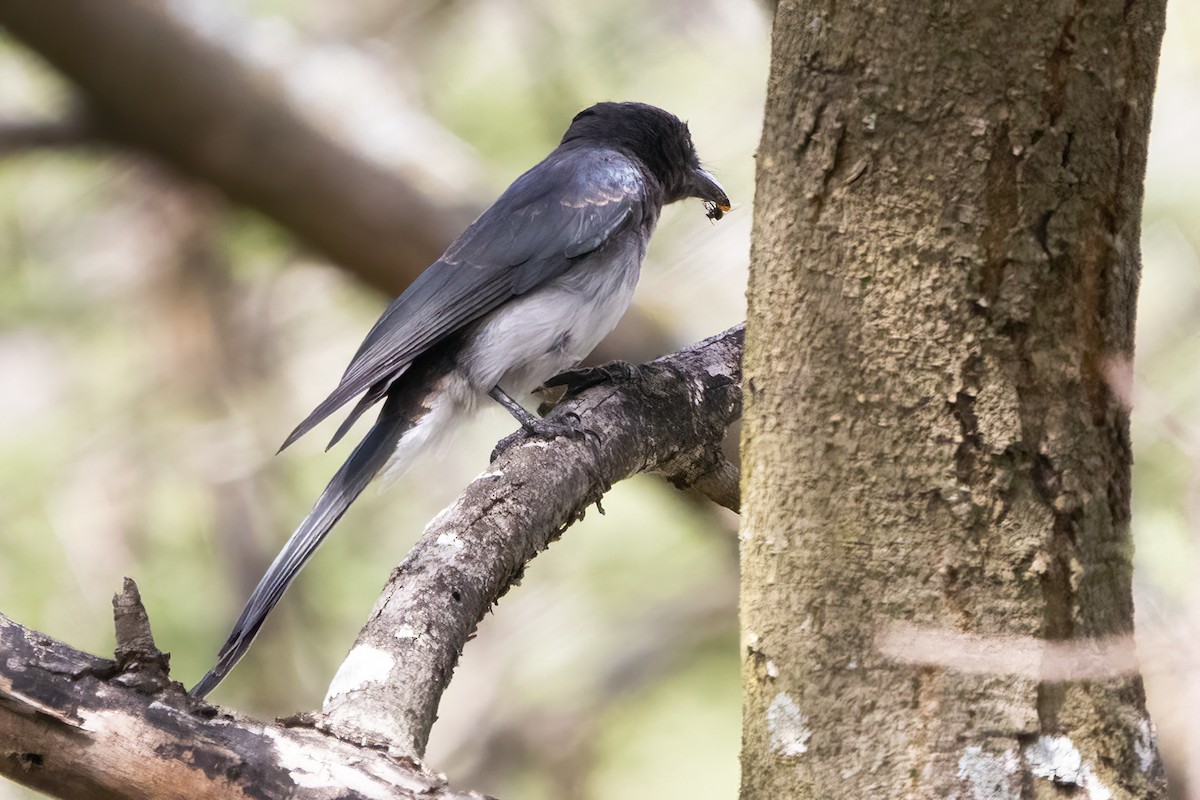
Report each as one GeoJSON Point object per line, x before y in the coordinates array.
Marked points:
{"type": "Point", "coordinates": [343, 394]}
{"type": "Point", "coordinates": [373, 396]}
{"type": "Point", "coordinates": [403, 411]}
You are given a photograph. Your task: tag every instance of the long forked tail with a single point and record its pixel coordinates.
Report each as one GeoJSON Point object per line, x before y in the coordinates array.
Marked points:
{"type": "Point", "coordinates": [404, 412]}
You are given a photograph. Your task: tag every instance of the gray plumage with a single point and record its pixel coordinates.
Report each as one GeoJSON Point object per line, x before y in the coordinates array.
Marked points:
{"type": "Point", "coordinates": [526, 292]}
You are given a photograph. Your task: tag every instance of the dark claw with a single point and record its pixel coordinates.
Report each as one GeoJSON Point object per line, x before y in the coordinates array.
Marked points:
{"type": "Point", "coordinates": [508, 442]}
{"type": "Point", "coordinates": [577, 380]}
{"type": "Point", "coordinates": [566, 425]}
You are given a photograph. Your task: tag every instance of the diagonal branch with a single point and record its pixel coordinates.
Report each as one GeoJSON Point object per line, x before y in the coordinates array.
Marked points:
{"type": "Point", "coordinates": [669, 417]}
{"type": "Point", "coordinates": [75, 725]}
{"type": "Point", "coordinates": [21, 135]}
{"type": "Point", "coordinates": [155, 84]}
{"type": "Point", "coordinates": [151, 83]}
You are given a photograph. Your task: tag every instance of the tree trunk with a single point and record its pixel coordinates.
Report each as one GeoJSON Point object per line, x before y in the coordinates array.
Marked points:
{"type": "Point", "coordinates": [944, 271]}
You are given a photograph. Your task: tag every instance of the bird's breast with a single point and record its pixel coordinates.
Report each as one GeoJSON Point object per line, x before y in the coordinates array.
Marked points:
{"type": "Point", "coordinates": [552, 328]}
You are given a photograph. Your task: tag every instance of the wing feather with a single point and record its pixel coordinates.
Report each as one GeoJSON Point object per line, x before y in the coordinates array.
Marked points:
{"type": "Point", "coordinates": [564, 208]}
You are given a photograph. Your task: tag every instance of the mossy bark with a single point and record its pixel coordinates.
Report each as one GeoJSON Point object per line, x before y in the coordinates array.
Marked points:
{"type": "Point", "coordinates": [944, 272]}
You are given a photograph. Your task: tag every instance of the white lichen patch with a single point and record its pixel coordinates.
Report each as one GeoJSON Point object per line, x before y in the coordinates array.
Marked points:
{"type": "Point", "coordinates": [312, 768]}
{"type": "Point", "coordinates": [788, 727]}
{"type": "Point", "coordinates": [103, 723]}
{"type": "Point", "coordinates": [406, 632]}
{"type": "Point", "coordinates": [450, 539]}
{"type": "Point", "coordinates": [1144, 745]}
{"type": "Point", "coordinates": [1056, 759]}
{"type": "Point", "coordinates": [364, 665]}
{"type": "Point", "coordinates": [990, 776]}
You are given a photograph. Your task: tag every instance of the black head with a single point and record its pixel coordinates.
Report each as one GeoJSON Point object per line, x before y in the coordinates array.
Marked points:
{"type": "Point", "coordinates": [660, 140]}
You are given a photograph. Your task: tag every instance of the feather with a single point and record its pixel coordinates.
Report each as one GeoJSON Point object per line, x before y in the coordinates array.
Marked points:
{"type": "Point", "coordinates": [556, 213]}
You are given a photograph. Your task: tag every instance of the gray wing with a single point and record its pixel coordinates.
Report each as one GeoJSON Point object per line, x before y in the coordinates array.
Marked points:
{"type": "Point", "coordinates": [565, 207]}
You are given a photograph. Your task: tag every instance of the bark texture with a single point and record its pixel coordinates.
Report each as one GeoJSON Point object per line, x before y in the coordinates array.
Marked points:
{"type": "Point", "coordinates": [945, 266]}
{"type": "Point", "coordinates": [77, 726]}
{"type": "Point", "coordinates": [669, 417]}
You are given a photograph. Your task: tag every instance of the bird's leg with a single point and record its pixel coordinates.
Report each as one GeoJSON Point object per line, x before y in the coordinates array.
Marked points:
{"type": "Point", "coordinates": [569, 426]}
{"type": "Point", "coordinates": [528, 421]}
{"type": "Point", "coordinates": [566, 425]}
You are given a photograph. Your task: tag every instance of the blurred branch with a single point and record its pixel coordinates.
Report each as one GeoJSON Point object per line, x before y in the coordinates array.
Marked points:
{"type": "Point", "coordinates": [1048, 661]}
{"type": "Point", "coordinates": [667, 417]}
{"type": "Point", "coordinates": [69, 131]}
{"type": "Point", "coordinates": [74, 725]}
{"type": "Point", "coordinates": [157, 85]}
{"type": "Point", "coordinates": [151, 83]}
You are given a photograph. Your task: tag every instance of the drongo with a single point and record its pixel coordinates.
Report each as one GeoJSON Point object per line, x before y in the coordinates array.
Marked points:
{"type": "Point", "coordinates": [524, 293]}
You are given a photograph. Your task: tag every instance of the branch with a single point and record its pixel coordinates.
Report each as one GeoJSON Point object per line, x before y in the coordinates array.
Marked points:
{"type": "Point", "coordinates": [715, 477]}
{"type": "Point", "coordinates": [17, 136]}
{"type": "Point", "coordinates": [74, 725]}
{"type": "Point", "coordinates": [156, 85]}
{"type": "Point", "coordinates": [670, 416]}
{"type": "Point", "coordinates": [151, 83]}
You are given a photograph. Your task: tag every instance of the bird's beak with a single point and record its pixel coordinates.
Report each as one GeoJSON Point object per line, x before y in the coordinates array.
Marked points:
{"type": "Point", "coordinates": [705, 187]}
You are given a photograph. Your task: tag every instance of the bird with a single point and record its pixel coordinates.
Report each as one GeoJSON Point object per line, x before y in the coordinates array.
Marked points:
{"type": "Point", "coordinates": [524, 293]}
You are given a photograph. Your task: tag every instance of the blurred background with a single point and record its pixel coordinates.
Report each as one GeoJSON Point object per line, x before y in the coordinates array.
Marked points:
{"type": "Point", "coordinates": [157, 342]}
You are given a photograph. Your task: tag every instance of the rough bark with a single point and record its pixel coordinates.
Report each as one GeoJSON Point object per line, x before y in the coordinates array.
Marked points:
{"type": "Point", "coordinates": [945, 264]}
{"type": "Point", "coordinates": [669, 417]}
{"type": "Point", "coordinates": [77, 726]}
{"type": "Point", "coordinates": [152, 83]}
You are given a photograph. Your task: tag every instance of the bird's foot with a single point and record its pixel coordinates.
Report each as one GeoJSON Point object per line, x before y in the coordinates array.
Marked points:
{"type": "Point", "coordinates": [576, 381]}
{"type": "Point", "coordinates": [566, 425]}
{"type": "Point", "coordinates": [573, 382]}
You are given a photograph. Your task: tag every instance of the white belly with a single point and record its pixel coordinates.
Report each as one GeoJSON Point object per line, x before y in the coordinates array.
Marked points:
{"type": "Point", "coordinates": [551, 329]}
